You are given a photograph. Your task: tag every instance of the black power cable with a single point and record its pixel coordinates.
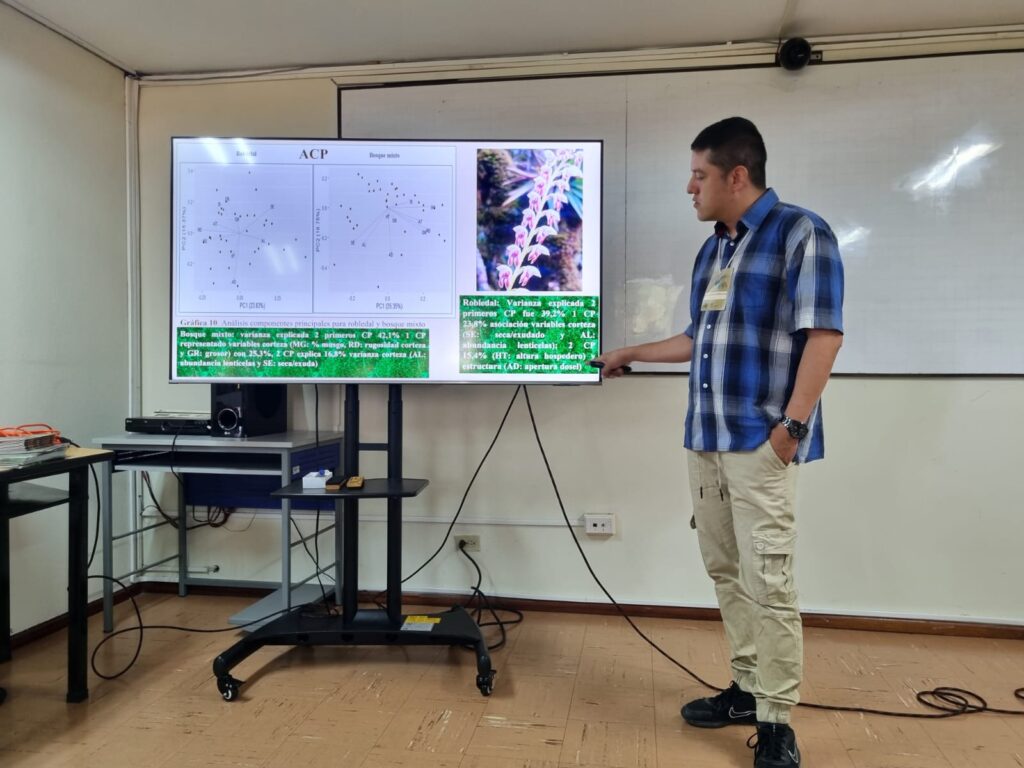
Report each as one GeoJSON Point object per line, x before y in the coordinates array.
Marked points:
{"type": "Point", "coordinates": [215, 519]}
{"type": "Point", "coordinates": [469, 487]}
{"type": "Point", "coordinates": [216, 516]}
{"type": "Point", "coordinates": [170, 465]}
{"type": "Point", "coordinates": [141, 628]}
{"type": "Point", "coordinates": [313, 558]}
{"type": "Point", "coordinates": [950, 701]}
{"type": "Point", "coordinates": [172, 521]}
{"type": "Point", "coordinates": [586, 562]}
{"type": "Point", "coordinates": [465, 495]}
{"type": "Point", "coordinates": [316, 561]}
{"type": "Point", "coordinates": [484, 603]}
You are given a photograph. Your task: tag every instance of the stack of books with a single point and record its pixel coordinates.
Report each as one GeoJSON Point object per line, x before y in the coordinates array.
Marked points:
{"type": "Point", "coordinates": [21, 450]}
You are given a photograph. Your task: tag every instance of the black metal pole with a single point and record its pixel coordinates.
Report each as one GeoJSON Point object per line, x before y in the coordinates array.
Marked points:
{"type": "Point", "coordinates": [351, 437]}
{"type": "Point", "coordinates": [395, 431]}
{"type": "Point", "coordinates": [394, 534]}
{"type": "Point", "coordinates": [350, 506]}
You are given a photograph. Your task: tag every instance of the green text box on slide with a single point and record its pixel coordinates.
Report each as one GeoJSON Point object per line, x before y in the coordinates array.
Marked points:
{"type": "Point", "coordinates": [343, 353]}
{"type": "Point", "coordinates": [528, 334]}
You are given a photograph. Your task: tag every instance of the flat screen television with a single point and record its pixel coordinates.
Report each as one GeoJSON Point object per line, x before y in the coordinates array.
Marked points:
{"type": "Point", "coordinates": [339, 260]}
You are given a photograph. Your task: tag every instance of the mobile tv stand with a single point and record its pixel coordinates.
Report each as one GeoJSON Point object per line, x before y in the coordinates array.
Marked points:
{"type": "Point", "coordinates": [312, 625]}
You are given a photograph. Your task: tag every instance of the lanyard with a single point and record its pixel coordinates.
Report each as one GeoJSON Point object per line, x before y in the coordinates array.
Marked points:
{"type": "Point", "coordinates": [739, 246]}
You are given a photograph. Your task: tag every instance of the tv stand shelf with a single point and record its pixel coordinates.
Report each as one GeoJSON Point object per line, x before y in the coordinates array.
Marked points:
{"type": "Point", "coordinates": [317, 625]}
{"type": "Point", "coordinates": [373, 488]}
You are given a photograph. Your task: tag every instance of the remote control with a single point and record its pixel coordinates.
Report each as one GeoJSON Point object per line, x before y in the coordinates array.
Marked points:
{"type": "Point", "coordinates": [599, 365]}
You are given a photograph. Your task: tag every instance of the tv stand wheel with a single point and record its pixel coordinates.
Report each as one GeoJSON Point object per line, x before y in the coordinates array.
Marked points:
{"type": "Point", "coordinates": [228, 687]}
{"type": "Point", "coordinates": [485, 683]}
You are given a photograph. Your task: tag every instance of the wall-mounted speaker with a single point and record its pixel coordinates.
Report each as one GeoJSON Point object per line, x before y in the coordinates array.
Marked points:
{"type": "Point", "coordinates": [248, 410]}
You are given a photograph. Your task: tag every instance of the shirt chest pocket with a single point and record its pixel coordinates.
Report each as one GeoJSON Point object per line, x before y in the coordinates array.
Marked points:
{"type": "Point", "coordinates": [756, 293]}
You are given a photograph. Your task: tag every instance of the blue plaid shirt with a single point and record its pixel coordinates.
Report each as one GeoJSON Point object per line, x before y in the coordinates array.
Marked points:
{"type": "Point", "coordinates": [787, 277]}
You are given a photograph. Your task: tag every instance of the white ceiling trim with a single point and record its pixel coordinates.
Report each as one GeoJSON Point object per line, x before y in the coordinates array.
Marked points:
{"type": "Point", "coordinates": [833, 49]}
{"type": "Point", "coordinates": [69, 36]}
{"type": "Point", "coordinates": [1002, 39]}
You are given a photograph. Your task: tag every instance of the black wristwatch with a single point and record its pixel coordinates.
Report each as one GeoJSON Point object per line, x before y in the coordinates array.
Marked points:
{"type": "Point", "coordinates": [797, 429]}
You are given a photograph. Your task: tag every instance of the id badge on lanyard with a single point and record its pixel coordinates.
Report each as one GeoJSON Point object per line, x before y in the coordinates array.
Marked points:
{"type": "Point", "coordinates": [717, 294]}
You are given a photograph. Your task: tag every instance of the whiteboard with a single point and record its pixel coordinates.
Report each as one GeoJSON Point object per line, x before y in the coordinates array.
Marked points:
{"type": "Point", "coordinates": [916, 164]}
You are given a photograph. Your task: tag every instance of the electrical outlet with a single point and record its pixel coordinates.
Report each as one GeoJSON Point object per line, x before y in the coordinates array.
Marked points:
{"type": "Point", "coordinates": [599, 524]}
{"type": "Point", "coordinates": [471, 540]}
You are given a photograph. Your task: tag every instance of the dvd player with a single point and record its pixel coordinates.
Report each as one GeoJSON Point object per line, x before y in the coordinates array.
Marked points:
{"type": "Point", "coordinates": [169, 424]}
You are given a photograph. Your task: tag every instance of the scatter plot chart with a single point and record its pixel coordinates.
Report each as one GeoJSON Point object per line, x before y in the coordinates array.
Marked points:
{"type": "Point", "coordinates": [244, 239]}
{"type": "Point", "coordinates": [384, 240]}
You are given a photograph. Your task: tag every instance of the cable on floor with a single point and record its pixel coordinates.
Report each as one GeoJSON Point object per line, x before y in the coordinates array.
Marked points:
{"type": "Point", "coordinates": [215, 518]}
{"type": "Point", "coordinates": [948, 700]}
{"type": "Point", "coordinates": [140, 627]}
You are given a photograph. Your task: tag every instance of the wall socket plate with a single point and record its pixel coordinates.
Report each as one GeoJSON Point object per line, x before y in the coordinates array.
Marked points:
{"type": "Point", "coordinates": [472, 541]}
{"type": "Point", "coordinates": [599, 524]}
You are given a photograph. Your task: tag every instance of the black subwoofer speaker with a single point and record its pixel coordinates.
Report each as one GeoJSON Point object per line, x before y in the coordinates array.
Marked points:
{"type": "Point", "coordinates": [248, 410]}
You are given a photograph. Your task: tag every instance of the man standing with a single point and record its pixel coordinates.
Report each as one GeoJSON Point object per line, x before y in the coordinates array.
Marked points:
{"type": "Point", "coordinates": [766, 325]}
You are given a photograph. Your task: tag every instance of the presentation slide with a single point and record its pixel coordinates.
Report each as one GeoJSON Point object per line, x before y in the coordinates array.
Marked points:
{"type": "Point", "coordinates": [387, 261]}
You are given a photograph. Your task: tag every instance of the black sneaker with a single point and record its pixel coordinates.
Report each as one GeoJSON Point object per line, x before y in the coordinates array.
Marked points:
{"type": "Point", "coordinates": [775, 746]}
{"type": "Point", "coordinates": [733, 706]}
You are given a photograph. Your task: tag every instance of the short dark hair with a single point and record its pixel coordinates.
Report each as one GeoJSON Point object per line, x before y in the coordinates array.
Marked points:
{"type": "Point", "coordinates": [734, 141]}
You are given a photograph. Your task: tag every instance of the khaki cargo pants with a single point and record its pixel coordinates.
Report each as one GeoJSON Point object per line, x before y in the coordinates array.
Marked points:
{"type": "Point", "coordinates": [743, 507]}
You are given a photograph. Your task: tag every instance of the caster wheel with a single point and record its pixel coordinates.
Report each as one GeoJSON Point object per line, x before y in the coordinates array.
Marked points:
{"type": "Point", "coordinates": [228, 687]}
{"type": "Point", "coordinates": [485, 683]}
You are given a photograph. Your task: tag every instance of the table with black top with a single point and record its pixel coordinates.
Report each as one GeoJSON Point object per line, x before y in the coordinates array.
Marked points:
{"type": "Point", "coordinates": [311, 625]}
{"type": "Point", "coordinates": [19, 497]}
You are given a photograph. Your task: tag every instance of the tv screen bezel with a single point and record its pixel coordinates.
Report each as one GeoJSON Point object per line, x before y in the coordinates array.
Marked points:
{"type": "Point", "coordinates": [586, 379]}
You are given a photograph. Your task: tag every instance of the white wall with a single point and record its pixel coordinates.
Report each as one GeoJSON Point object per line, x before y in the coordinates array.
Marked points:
{"type": "Point", "coordinates": [912, 513]}
{"type": "Point", "coordinates": [63, 272]}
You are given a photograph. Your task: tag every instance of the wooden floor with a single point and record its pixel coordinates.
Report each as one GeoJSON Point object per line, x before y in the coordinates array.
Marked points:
{"type": "Point", "coordinates": [571, 691]}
